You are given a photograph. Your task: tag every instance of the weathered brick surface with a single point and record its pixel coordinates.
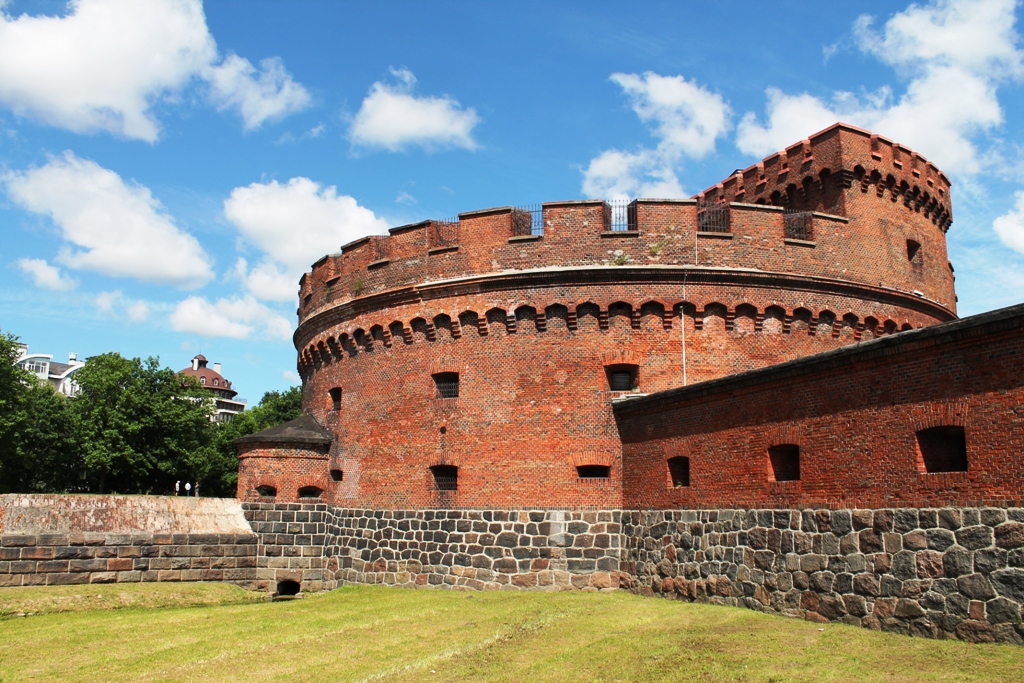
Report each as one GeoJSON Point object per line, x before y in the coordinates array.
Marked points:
{"type": "Point", "coordinates": [286, 469]}
{"type": "Point", "coordinates": [122, 557]}
{"type": "Point", "coordinates": [533, 324]}
{"type": "Point", "coordinates": [854, 413]}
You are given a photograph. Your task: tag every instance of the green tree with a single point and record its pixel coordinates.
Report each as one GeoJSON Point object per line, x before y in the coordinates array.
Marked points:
{"type": "Point", "coordinates": [143, 427]}
{"type": "Point", "coordinates": [39, 436]}
{"type": "Point", "coordinates": [276, 407]}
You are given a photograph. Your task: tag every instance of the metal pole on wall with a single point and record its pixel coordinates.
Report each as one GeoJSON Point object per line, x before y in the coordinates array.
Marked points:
{"type": "Point", "coordinates": [682, 326]}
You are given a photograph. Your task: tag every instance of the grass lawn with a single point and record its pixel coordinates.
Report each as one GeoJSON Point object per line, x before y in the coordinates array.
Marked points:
{"type": "Point", "coordinates": [386, 634]}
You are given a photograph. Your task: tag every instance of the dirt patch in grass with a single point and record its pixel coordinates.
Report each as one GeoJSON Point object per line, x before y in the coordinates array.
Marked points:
{"type": "Point", "coordinates": [393, 635]}
{"type": "Point", "coordinates": [38, 600]}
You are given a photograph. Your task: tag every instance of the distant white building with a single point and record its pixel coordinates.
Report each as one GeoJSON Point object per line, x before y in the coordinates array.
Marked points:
{"type": "Point", "coordinates": [226, 406]}
{"type": "Point", "coordinates": [42, 365]}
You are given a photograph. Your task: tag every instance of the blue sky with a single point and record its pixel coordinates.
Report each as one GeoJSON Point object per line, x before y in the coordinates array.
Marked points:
{"type": "Point", "coordinates": [169, 169]}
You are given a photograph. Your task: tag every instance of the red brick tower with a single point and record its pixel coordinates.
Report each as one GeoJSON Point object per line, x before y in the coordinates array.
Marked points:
{"type": "Point", "coordinates": [473, 363]}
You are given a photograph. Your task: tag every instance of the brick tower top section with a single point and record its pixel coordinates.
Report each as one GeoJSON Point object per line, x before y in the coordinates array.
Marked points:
{"type": "Point", "coordinates": [794, 177]}
{"type": "Point", "coordinates": [842, 209]}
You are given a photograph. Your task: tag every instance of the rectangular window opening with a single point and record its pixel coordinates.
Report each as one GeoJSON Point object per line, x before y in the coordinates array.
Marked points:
{"type": "Point", "coordinates": [335, 394]}
{"type": "Point", "coordinates": [679, 470]}
{"type": "Point", "coordinates": [593, 471]}
{"type": "Point", "coordinates": [943, 449]}
{"type": "Point", "coordinates": [785, 462]}
{"type": "Point", "coordinates": [623, 215]}
{"type": "Point", "coordinates": [622, 377]}
{"type": "Point", "coordinates": [446, 477]}
{"type": "Point", "coordinates": [446, 384]}
{"type": "Point", "coordinates": [798, 225]}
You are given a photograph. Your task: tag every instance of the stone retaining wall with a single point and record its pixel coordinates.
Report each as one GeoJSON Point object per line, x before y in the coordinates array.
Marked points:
{"type": "Point", "coordinates": [939, 573]}
{"type": "Point", "coordinates": [471, 549]}
{"type": "Point", "coordinates": [59, 559]}
{"type": "Point", "coordinates": [934, 572]}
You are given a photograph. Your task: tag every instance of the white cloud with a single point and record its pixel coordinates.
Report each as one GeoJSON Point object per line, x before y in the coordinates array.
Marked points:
{"type": "Point", "coordinates": [1010, 226]}
{"type": "Point", "coordinates": [686, 119]}
{"type": "Point", "coordinates": [137, 311]}
{"type": "Point", "coordinates": [46, 276]}
{"type": "Point", "coordinates": [115, 304]}
{"type": "Point", "coordinates": [392, 117]}
{"type": "Point", "coordinates": [292, 376]}
{"type": "Point", "coordinates": [103, 66]}
{"type": "Point", "coordinates": [405, 198]}
{"type": "Point", "coordinates": [107, 301]}
{"type": "Point", "coordinates": [268, 94]}
{"type": "Point", "coordinates": [234, 317]}
{"type": "Point", "coordinates": [953, 54]}
{"type": "Point", "coordinates": [293, 224]}
{"type": "Point", "coordinates": [113, 227]}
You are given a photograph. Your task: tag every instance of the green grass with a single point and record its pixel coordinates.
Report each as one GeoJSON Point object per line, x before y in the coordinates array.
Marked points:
{"type": "Point", "coordinates": [386, 634]}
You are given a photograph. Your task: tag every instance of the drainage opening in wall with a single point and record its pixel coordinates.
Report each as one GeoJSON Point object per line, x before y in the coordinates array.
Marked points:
{"type": "Point", "coordinates": [287, 588]}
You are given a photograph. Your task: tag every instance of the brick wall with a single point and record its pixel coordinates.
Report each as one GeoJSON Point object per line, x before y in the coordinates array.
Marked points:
{"type": "Point", "coordinates": [533, 324]}
{"type": "Point", "coordinates": [285, 469]}
{"type": "Point", "coordinates": [61, 559]}
{"type": "Point", "coordinates": [854, 414]}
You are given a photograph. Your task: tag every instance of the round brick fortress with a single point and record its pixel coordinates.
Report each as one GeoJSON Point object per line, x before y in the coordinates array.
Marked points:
{"type": "Point", "coordinates": [473, 363]}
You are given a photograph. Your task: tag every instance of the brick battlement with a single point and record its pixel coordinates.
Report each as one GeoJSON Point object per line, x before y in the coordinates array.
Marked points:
{"type": "Point", "coordinates": [844, 156]}
{"type": "Point", "coordinates": [835, 182]}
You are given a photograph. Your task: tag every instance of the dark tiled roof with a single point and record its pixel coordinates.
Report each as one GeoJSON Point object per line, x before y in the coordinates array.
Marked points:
{"type": "Point", "coordinates": [58, 369]}
{"type": "Point", "coordinates": [303, 430]}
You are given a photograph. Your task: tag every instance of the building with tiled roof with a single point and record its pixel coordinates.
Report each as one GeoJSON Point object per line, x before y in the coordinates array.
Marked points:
{"type": "Point", "coordinates": [42, 365]}
{"type": "Point", "coordinates": [224, 397]}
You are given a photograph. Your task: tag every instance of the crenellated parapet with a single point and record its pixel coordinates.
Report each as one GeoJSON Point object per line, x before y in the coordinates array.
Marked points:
{"type": "Point", "coordinates": [815, 173]}
{"type": "Point", "coordinates": [812, 212]}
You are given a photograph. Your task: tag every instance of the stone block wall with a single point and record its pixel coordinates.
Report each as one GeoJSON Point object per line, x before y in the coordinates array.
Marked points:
{"type": "Point", "coordinates": [469, 549]}
{"type": "Point", "coordinates": [294, 545]}
{"type": "Point", "coordinates": [938, 573]}
{"type": "Point", "coordinates": [72, 558]}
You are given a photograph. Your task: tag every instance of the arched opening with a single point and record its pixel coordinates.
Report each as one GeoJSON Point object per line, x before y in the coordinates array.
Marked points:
{"type": "Point", "coordinates": [557, 317]}
{"type": "Point", "coordinates": [497, 321]}
{"type": "Point", "coordinates": [526, 319]}
{"type": "Point", "coordinates": [593, 471]}
{"type": "Point", "coordinates": [443, 327]}
{"type": "Point", "coordinates": [785, 462]}
{"type": "Point", "coordinates": [310, 492]}
{"type": "Point", "coordinates": [469, 320]}
{"type": "Point", "coordinates": [446, 477]}
{"type": "Point", "coordinates": [337, 475]}
{"type": "Point", "coordinates": [266, 491]}
{"type": "Point", "coordinates": [943, 449]}
{"type": "Point", "coordinates": [288, 587]}
{"type": "Point", "coordinates": [679, 470]}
